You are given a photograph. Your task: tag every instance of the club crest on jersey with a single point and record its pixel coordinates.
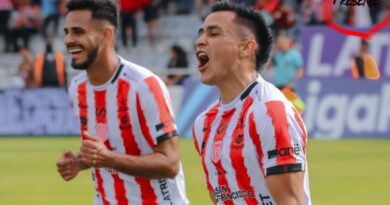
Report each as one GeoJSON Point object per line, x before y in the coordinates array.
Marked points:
{"type": "Point", "coordinates": [216, 151]}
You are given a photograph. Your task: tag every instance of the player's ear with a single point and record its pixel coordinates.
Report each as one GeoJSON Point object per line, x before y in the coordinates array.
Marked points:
{"type": "Point", "coordinates": [247, 48]}
{"type": "Point", "coordinates": [109, 33]}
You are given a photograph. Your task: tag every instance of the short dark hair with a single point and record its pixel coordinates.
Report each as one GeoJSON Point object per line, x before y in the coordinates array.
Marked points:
{"type": "Point", "coordinates": [253, 20]}
{"type": "Point", "coordinates": [101, 9]}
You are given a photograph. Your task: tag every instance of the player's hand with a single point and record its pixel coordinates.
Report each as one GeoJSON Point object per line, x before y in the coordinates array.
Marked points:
{"type": "Point", "coordinates": [93, 152]}
{"type": "Point", "coordinates": [68, 166]}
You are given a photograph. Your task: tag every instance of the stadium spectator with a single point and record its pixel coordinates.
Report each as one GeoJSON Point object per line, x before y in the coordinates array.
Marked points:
{"type": "Point", "coordinates": [364, 66]}
{"type": "Point", "coordinates": [313, 12]}
{"type": "Point", "coordinates": [241, 136]}
{"type": "Point", "coordinates": [344, 15]}
{"type": "Point", "coordinates": [166, 5]}
{"type": "Point", "coordinates": [24, 22]}
{"type": "Point", "coordinates": [185, 6]}
{"type": "Point", "coordinates": [287, 62]}
{"type": "Point", "coordinates": [6, 7]}
{"type": "Point", "coordinates": [128, 11]}
{"type": "Point", "coordinates": [288, 65]}
{"type": "Point", "coordinates": [375, 12]}
{"type": "Point", "coordinates": [51, 15]}
{"type": "Point", "coordinates": [49, 67]}
{"type": "Point", "coordinates": [203, 7]}
{"type": "Point", "coordinates": [285, 20]}
{"type": "Point", "coordinates": [152, 19]}
{"type": "Point", "coordinates": [127, 126]}
{"type": "Point", "coordinates": [268, 9]}
{"type": "Point", "coordinates": [179, 60]}
{"type": "Point", "coordinates": [25, 75]}
{"type": "Point", "coordinates": [245, 2]}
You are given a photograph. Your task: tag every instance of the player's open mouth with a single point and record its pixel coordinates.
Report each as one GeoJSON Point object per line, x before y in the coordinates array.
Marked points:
{"type": "Point", "coordinates": [203, 60]}
{"type": "Point", "coordinates": [74, 50]}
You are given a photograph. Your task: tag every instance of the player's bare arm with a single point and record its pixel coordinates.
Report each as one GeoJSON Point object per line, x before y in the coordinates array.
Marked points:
{"type": "Point", "coordinates": [287, 188]}
{"type": "Point", "coordinates": [162, 163]}
{"type": "Point", "coordinates": [69, 165]}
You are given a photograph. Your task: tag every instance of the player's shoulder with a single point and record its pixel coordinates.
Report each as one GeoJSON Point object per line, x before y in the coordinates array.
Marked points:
{"type": "Point", "coordinates": [138, 74]}
{"type": "Point", "coordinates": [264, 93]}
{"type": "Point", "coordinates": [76, 81]}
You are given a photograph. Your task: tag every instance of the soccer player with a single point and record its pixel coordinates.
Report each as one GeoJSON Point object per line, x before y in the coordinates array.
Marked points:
{"type": "Point", "coordinates": [252, 142]}
{"type": "Point", "coordinates": [129, 138]}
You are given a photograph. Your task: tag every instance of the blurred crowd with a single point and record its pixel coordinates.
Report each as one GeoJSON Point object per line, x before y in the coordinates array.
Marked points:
{"type": "Point", "coordinates": [20, 20]}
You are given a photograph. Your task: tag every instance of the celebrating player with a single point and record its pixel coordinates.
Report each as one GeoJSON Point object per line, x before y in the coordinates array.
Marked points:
{"type": "Point", "coordinates": [252, 142]}
{"type": "Point", "coordinates": [128, 132]}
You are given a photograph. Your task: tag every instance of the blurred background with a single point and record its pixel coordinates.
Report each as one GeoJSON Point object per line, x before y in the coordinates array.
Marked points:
{"type": "Point", "coordinates": [341, 84]}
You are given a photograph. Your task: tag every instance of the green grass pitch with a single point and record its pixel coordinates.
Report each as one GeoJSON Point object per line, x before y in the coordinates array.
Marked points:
{"type": "Point", "coordinates": [341, 172]}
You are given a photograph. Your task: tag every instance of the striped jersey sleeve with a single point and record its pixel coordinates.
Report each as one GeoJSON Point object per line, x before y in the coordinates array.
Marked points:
{"type": "Point", "coordinates": [282, 137]}
{"type": "Point", "coordinates": [154, 110]}
{"type": "Point", "coordinates": [73, 93]}
{"type": "Point", "coordinates": [196, 135]}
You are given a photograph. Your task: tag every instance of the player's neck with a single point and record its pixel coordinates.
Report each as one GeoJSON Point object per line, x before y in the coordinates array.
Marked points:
{"type": "Point", "coordinates": [230, 88]}
{"type": "Point", "coordinates": [103, 68]}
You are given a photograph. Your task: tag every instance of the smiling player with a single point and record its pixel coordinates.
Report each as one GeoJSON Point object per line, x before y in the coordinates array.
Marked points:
{"type": "Point", "coordinates": [127, 125]}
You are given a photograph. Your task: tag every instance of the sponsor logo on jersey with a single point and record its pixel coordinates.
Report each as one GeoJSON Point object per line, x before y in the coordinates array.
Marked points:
{"type": "Point", "coordinates": [284, 151]}
{"type": "Point", "coordinates": [164, 190]}
{"type": "Point", "coordinates": [265, 200]}
{"type": "Point", "coordinates": [222, 194]}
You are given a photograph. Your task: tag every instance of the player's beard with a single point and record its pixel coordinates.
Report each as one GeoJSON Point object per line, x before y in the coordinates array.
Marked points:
{"type": "Point", "coordinates": [86, 64]}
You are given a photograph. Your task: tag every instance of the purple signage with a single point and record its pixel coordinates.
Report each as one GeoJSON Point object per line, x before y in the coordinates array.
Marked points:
{"type": "Point", "coordinates": [346, 108]}
{"type": "Point", "coordinates": [37, 112]}
{"type": "Point", "coordinates": [327, 53]}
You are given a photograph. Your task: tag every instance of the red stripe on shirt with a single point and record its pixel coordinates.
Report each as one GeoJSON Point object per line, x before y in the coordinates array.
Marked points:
{"type": "Point", "coordinates": [143, 123]}
{"type": "Point", "coordinates": [237, 158]}
{"type": "Point", "coordinates": [127, 134]}
{"type": "Point", "coordinates": [101, 117]}
{"type": "Point", "coordinates": [83, 112]}
{"type": "Point", "coordinates": [131, 147]}
{"type": "Point", "coordinates": [221, 131]}
{"type": "Point", "coordinates": [209, 119]}
{"type": "Point", "coordinates": [83, 107]}
{"type": "Point", "coordinates": [276, 111]}
{"type": "Point", "coordinates": [162, 106]}
{"type": "Point", "coordinates": [303, 129]}
{"type": "Point", "coordinates": [147, 192]}
{"type": "Point", "coordinates": [100, 188]}
{"type": "Point", "coordinates": [256, 141]}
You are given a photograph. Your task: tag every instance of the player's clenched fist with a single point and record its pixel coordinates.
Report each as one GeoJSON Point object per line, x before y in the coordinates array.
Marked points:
{"type": "Point", "coordinates": [93, 152]}
{"type": "Point", "coordinates": [68, 165]}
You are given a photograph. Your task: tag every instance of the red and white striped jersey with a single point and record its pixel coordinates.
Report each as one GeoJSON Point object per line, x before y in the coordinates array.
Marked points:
{"type": "Point", "coordinates": [257, 135]}
{"type": "Point", "coordinates": [131, 113]}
